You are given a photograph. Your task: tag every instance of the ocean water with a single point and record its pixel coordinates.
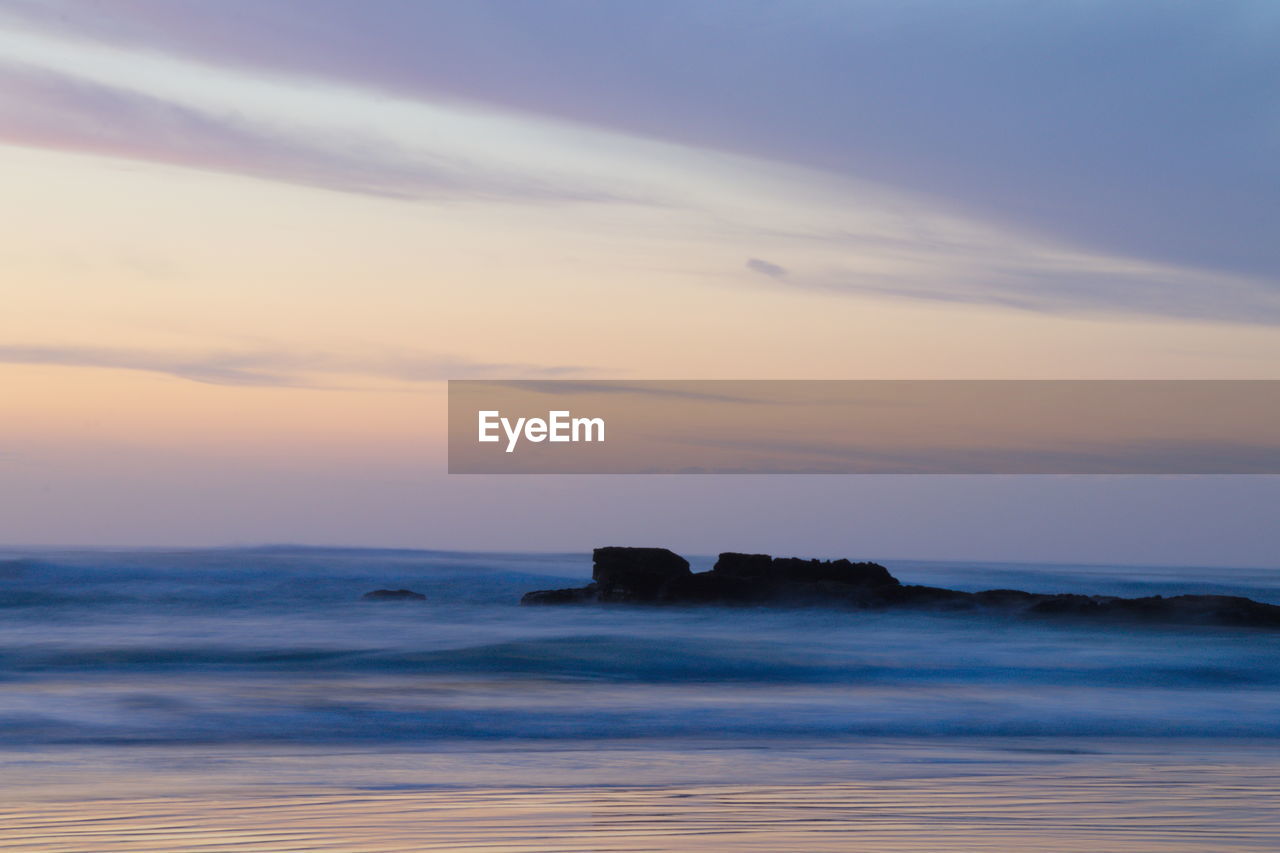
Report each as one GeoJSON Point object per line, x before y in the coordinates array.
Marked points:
{"type": "Point", "coordinates": [139, 689]}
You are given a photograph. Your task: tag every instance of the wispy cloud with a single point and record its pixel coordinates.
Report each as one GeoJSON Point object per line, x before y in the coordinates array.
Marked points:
{"type": "Point", "coordinates": [1142, 129]}
{"type": "Point", "coordinates": [336, 121]}
{"type": "Point", "coordinates": [764, 267]}
{"type": "Point", "coordinates": [1080, 291]}
{"type": "Point", "coordinates": [679, 389]}
{"type": "Point", "coordinates": [276, 368]}
{"type": "Point", "coordinates": [1024, 276]}
{"type": "Point", "coordinates": [39, 108]}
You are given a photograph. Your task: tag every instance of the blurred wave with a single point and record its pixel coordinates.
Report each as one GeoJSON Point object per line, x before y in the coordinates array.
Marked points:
{"type": "Point", "coordinates": [274, 644]}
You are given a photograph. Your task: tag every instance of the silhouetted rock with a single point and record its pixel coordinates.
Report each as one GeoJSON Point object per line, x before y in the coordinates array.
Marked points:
{"type": "Point", "coordinates": [743, 565]}
{"type": "Point", "coordinates": [393, 595]}
{"type": "Point", "coordinates": [636, 574]}
{"type": "Point", "coordinates": [658, 576]}
{"type": "Point", "coordinates": [1005, 598]}
{"type": "Point", "coordinates": [931, 597]}
{"type": "Point", "coordinates": [785, 570]}
{"type": "Point", "coordinates": [1229, 610]}
{"type": "Point", "coordinates": [577, 595]}
{"type": "Point", "coordinates": [710, 588]}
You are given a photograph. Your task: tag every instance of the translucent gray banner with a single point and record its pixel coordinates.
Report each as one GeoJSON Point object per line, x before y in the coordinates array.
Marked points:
{"type": "Point", "coordinates": [864, 427]}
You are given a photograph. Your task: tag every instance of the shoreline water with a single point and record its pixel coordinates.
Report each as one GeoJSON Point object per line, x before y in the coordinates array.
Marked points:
{"type": "Point", "coordinates": [202, 700]}
{"type": "Point", "coordinates": [1029, 794]}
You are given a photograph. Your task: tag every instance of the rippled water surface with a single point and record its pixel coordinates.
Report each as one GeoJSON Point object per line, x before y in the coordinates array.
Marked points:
{"type": "Point", "coordinates": [247, 699]}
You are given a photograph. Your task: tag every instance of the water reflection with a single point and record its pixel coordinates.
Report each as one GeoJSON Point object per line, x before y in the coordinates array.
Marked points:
{"type": "Point", "coordinates": [1223, 801]}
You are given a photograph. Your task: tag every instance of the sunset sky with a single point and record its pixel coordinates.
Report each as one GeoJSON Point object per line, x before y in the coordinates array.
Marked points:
{"type": "Point", "coordinates": [245, 243]}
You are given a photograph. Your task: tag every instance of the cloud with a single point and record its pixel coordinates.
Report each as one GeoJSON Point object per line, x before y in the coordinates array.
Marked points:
{"type": "Point", "coordinates": [1080, 291]}
{"type": "Point", "coordinates": [995, 147]}
{"type": "Point", "coordinates": [48, 110]}
{"type": "Point", "coordinates": [994, 269]}
{"type": "Point", "coordinates": [766, 268]}
{"type": "Point", "coordinates": [1143, 129]}
{"type": "Point", "coordinates": [677, 389]}
{"type": "Point", "coordinates": [266, 368]}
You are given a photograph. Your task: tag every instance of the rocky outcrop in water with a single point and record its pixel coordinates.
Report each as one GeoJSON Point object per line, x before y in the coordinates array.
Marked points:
{"type": "Point", "coordinates": [393, 595]}
{"type": "Point", "coordinates": [659, 576]}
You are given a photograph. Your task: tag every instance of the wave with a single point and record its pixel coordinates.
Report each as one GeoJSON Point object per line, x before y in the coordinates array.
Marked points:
{"type": "Point", "coordinates": [621, 659]}
{"type": "Point", "coordinates": [274, 644]}
{"type": "Point", "coordinates": [132, 718]}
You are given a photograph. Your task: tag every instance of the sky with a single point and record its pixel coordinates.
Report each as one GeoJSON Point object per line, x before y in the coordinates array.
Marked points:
{"type": "Point", "coordinates": [245, 244]}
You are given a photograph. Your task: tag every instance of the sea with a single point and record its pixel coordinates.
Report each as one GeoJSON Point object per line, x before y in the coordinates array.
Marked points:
{"type": "Point", "coordinates": [249, 699]}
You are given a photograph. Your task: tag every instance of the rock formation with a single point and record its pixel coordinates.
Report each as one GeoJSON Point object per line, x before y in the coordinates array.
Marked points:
{"type": "Point", "coordinates": [659, 576]}
{"type": "Point", "coordinates": [393, 595]}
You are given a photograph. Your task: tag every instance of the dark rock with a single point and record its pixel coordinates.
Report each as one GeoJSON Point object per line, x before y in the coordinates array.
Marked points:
{"type": "Point", "coordinates": [787, 570]}
{"type": "Point", "coordinates": [393, 595]}
{"type": "Point", "coordinates": [577, 595]}
{"type": "Point", "coordinates": [821, 594]}
{"type": "Point", "coordinates": [1005, 598]}
{"type": "Point", "coordinates": [709, 588]}
{"type": "Point", "coordinates": [1225, 610]}
{"type": "Point", "coordinates": [791, 569]}
{"type": "Point", "coordinates": [928, 597]}
{"type": "Point", "coordinates": [743, 565]}
{"type": "Point", "coordinates": [658, 576]}
{"type": "Point", "coordinates": [1066, 605]}
{"type": "Point", "coordinates": [636, 574]}
{"type": "Point", "coordinates": [1232, 610]}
